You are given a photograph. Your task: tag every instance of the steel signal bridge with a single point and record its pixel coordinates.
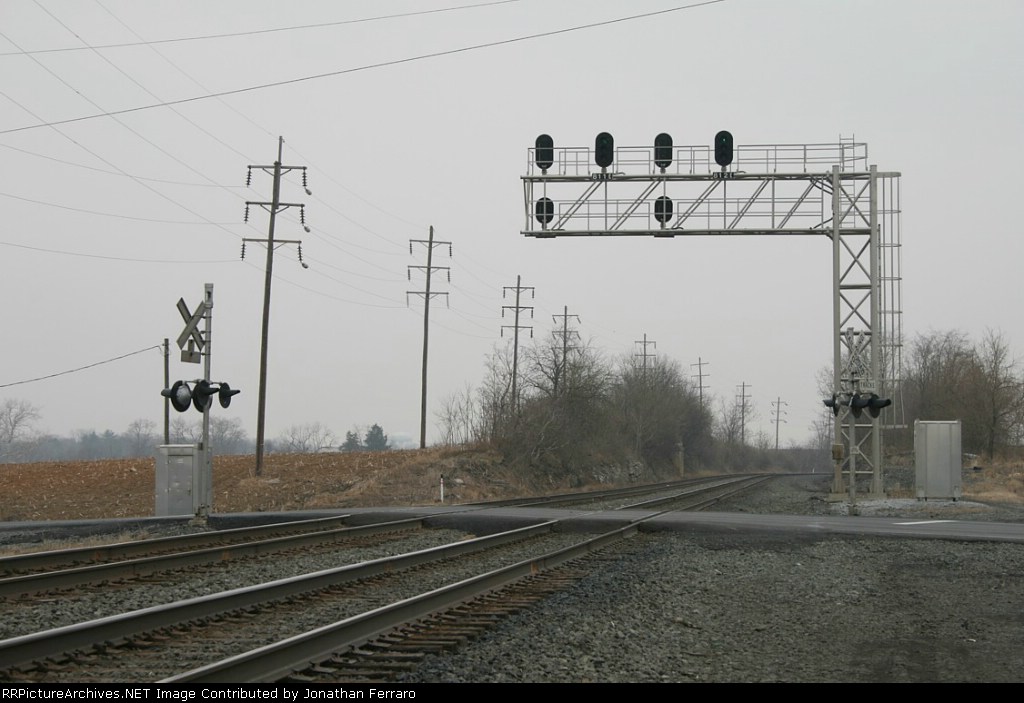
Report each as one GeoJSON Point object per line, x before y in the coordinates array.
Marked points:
{"type": "Point", "coordinates": [727, 189]}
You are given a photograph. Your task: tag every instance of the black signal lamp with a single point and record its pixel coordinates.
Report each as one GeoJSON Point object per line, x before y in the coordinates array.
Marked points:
{"type": "Point", "coordinates": [224, 394]}
{"type": "Point", "coordinates": [875, 404]}
{"type": "Point", "coordinates": [202, 395]}
{"type": "Point", "coordinates": [544, 153]}
{"type": "Point", "coordinates": [663, 151]}
{"type": "Point", "coordinates": [544, 210]}
{"type": "Point", "coordinates": [723, 148]}
{"type": "Point", "coordinates": [663, 209]}
{"type": "Point", "coordinates": [604, 150]}
{"type": "Point", "coordinates": [179, 394]}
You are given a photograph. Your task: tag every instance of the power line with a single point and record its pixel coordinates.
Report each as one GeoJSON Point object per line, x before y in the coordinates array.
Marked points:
{"type": "Point", "coordinates": [356, 69]}
{"type": "Point", "coordinates": [115, 258]}
{"type": "Point", "coordinates": [111, 214]}
{"type": "Point", "coordinates": [229, 35]}
{"type": "Point", "coordinates": [81, 368]}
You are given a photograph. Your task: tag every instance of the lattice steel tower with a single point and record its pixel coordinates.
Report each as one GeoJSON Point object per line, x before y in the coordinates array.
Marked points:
{"type": "Point", "coordinates": [827, 190]}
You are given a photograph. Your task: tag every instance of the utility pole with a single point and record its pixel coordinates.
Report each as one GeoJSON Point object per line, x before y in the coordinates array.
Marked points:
{"type": "Point", "coordinates": [778, 412]}
{"type": "Point", "coordinates": [273, 207]}
{"type": "Point", "coordinates": [644, 353]}
{"type": "Point", "coordinates": [427, 295]}
{"type": "Point", "coordinates": [167, 384]}
{"type": "Point", "coordinates": [700, 376]}
{"type": "Point", "coordinates": [743, 412]}
{"type": "Point", "coordinates": [563, 371]}
{"type": "Point", "coordinates": [517, 308]}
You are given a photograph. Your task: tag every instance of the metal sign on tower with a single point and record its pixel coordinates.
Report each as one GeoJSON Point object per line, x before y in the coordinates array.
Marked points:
{"type": "Point", "coordinates": [665, 190]}
{"type": "Point", "coordinates": [191, 335]}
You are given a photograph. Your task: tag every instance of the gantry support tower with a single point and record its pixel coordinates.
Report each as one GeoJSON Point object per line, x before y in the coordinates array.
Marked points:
{"type": "Point", "coordinates": [817, 190]}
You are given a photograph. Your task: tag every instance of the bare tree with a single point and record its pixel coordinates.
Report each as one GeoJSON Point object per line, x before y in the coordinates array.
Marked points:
{"type": "Point", "coordinates": [141, 436]}
{"type": "Point", "coordinates": [305, 439]}
{"type": "Point", "coordinates": [457, 417]}
{"type": "Point", "coordinates": [227, 435]}
{"type": "Point", "coordinates": [16, 419]}
{"type": "Point", "coordinates": [998, 393]}
{"type": "Point", "coordinates": [496, 408]}
{"type": "Point", "coordinates": [185, 432]}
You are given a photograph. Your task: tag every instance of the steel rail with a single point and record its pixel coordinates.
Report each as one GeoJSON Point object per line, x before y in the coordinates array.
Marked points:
{"type": "Point", "coordinates": [14, 586]}
{"type": "Point", "coordinates": [123, 550]}
{"type": "Point", "coordinates": [275, 661]}
{"type": "Point", "coordinates": [568, 498]}
{"type": "Point", "coordinates": [729, 486]}
{"type": "Point", "coordinates": [21, 651]}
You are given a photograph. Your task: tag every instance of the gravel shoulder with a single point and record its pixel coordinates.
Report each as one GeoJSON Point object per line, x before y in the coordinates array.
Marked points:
{"type": "Point", "coordinates": [722, 606]}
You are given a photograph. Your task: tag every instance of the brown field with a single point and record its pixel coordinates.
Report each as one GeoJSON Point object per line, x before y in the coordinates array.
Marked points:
{"type": "Point", "coordinates": [126, 487]}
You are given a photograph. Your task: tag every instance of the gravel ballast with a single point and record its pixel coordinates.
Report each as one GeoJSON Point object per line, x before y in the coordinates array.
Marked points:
{"type": "Point", "coordinates": [727, 606]}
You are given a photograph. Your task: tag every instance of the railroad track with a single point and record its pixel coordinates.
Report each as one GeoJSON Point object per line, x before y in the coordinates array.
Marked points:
{"type": "Point", "coordinates": [385, 611]}
{"type": "Point", "coordinates": [117, 563]}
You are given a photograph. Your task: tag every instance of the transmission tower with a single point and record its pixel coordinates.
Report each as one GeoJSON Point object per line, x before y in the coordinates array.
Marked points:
{"type": "Point", "coordinates": [427, 294]}
{"type": "Point", "coordinates": [777, 413]}
{"type": "Point", "coordinates": [562, 373]}
{"type": "Point", "coordinates": [700, 376]}
{"type": "Point", "coordinates": [644, 355]}
{"type": "Point", "coordinates": [743, 398]}
{"type": "Point", "coordinates": [515, 327]}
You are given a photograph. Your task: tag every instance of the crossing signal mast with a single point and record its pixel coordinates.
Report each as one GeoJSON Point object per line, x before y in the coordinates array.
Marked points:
{"type": "Point", "coordinates": [666, 190]}
{"type": "Point", "coordinates": [196, 348]}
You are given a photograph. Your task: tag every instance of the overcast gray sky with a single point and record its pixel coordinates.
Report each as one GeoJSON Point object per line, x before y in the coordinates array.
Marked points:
{"type": "Point", "coordinates": [108, 220]}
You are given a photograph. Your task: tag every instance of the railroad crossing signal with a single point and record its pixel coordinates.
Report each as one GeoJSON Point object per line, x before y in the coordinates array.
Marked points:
{"type": "Point", "coordinates": [199, 397]}
{"type": "Point", "coordinates": [191, 334]}
{"type": "Point", "coordinates": [857, 403]}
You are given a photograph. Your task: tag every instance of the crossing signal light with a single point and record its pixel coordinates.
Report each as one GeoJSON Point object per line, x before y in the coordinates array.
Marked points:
{"type": "Point", "coordinates": [663, 209]}
{"type": "Point", "coordinates": [834, 402]}
{"type": "Point", "coordinates": [870, 402]}
{"type": "Point", "coordinates": [857, 404]}
{"type": "Point", "coordinates": [875, 404]}
{"type": "Point", "coordinates": [604, 150]}
{"type": "Point", "coordinates": [723, 148]}
{"type": "Point", "coordinates": [544, 153]}
{"type": "Point", "coordinates": [224, 394]}
{"type": "Point", "coordinates": [663, 151]}
{"type": "Point", "coordinates": [544, 210]}
{"type": "Point", "coordinates": [202, 395]}
{"type": "Point", "coordinates": [179, 394]}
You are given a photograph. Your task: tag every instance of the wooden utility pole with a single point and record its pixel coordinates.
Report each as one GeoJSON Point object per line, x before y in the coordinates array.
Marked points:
{"type": "Point", "coordinates": [167, 384]}
{"type": "Point", "coordinates": [427, 295]}
{"type": "Point", "coordinates": [273, 207]}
